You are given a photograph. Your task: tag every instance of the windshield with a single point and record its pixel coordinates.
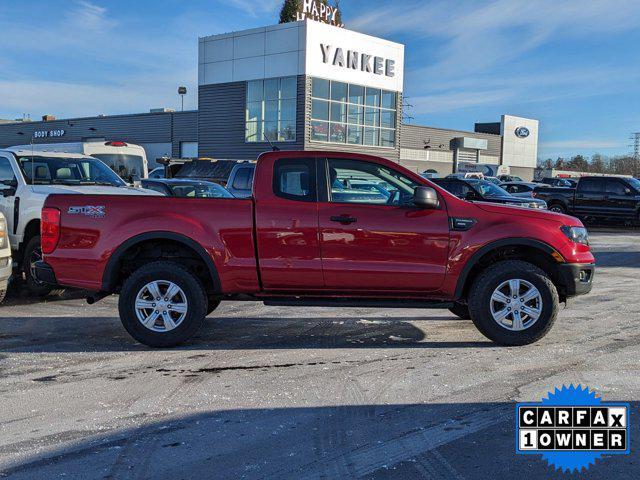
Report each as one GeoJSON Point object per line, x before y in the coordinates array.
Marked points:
{"type": "Point", "coordinates": [488, 189]}
{"type": "Point", "coordinates": [126, 166]}
{"type": "Point", "coordinates": [635, 183]}
{"type": "Point", "coordinates": [200, 190]}
{"type": "Point", "coordinates": [67, 171]}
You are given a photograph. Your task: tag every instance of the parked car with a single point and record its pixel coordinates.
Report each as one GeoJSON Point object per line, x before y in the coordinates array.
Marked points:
{"type": "Point", "coordinates": [302, 240]}
{"type": "Point", "coordinates": [128, 160]}
{"type": "Point", "coordinates": [494, 180]}
{"type": "Point", "coordinates": [476, 190]}
{"type": "Point", "coordinates": [157, 173]}
{"type": "Point", "coordinates": [240, 180]}
{"type": "Point", "coordinates": [522, 189]}
{"type": "Point", "coordinates": [184, 187]}
{"type": "Point", "coordinates": [596, 197]}
{"type": "Point", "coordinates": [28, 177]}
{"type": "Point", "coordinates": [509, 178]}
{"type": "Point", "coordinates": [557, 182]}
{"type": "Point", "coordinates": [5, 258]}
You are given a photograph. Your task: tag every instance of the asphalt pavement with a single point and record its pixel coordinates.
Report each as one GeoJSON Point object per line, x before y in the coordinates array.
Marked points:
{"type": "Point", "coordinates": [305, 393]}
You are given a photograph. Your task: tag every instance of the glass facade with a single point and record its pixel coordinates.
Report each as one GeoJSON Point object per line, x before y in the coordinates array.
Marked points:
{"type": "Point", "coordinates": [271, 110]}
{"type": "Point", "coordinates": [353, 114]}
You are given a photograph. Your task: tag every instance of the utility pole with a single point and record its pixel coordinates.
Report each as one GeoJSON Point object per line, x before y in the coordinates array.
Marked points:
{"type": "Point", "coordinates": [635, 138]}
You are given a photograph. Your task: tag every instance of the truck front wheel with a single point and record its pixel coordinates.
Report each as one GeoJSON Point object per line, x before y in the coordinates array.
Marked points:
{"type": "Point", "coordinates": [162, 304]}
{"type": "Point", "coordinates": [513, 303]}
{"type": "Point", "coordinates": [33, 253]}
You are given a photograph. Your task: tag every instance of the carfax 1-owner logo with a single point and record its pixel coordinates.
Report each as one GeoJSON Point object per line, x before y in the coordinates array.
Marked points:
{"type": "Point", "coordinates": [572, 428]}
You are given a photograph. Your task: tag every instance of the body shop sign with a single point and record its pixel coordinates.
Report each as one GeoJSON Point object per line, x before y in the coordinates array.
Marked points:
{"type": "Point", "coordinates": [318, 11]}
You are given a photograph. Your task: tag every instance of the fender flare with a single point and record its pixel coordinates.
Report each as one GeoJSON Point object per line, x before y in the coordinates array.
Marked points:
{"type": "Point", "coordinates": [505, 242]}
{"type": "Point", "coordinates": [111, 272]}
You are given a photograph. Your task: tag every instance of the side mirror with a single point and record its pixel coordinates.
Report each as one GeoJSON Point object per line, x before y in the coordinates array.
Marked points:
{"type": "Point", "coordinates": [628, 192]}
{"type": "Point", "coordinates": [135, 179]}
{"type": "Point", "coordinates": [425, 197]}
{"type": "Point", "coordinates": [10, 183]}
{"type": "Point", "coordinates": [470, 196]}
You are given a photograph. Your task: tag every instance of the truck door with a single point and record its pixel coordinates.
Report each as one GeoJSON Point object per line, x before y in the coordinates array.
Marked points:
{"type": "Point", "coordinates": [620, 199]}
{"type": "Point", "coordinates": [287, 226]}
{"type": "Point", "coordinates": [372, 237]}
{"type": "Point", "coordinates": [590, 197]}
{"type": "Point", "coordinates": [8, 185]}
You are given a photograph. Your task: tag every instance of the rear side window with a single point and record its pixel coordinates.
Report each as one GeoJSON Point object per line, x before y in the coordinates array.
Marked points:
{"type": "Point", "coordinates": [243, 179]}
{"type": "Point", "coordinates": [295, 179]}
{"type": "Point", "coordinates": [591, 185]}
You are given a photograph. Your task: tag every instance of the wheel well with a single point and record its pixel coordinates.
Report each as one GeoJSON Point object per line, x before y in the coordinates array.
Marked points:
{"type": "Point", "coordinates": [31, 230]}
{"type": "Point", "coordinates": [147, 251]}
{"type": "Point", "coordinates": [533, 255]}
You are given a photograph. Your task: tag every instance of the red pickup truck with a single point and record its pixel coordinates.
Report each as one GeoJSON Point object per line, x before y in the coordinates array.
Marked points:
{"type": "Point", "coordinates": [321, 229]}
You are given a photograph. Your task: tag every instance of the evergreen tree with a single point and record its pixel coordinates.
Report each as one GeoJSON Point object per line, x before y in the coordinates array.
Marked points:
{"type": "Point", "coordinates": [338, 13]}
{"type": "Point", "coordinates": [289, 10]}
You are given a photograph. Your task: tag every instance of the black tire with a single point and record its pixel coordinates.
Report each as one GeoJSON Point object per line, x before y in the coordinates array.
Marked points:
{"type": "Point", "coordinates": [461, 311]}
{"type": "Point", "coordinates": [32, 253]}
{"type": "Point", "coordinates": [484, 287]}
{"type": "Point", "coordinates": [194, 292]}
{"type": "Point", "coordinates": [558, 208]}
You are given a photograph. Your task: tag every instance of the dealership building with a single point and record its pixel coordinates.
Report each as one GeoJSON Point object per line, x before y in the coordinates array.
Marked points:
{"type": "Point", "coordinates": [304, 85]}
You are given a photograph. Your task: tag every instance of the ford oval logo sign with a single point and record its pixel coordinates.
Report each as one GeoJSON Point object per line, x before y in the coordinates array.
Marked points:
{"type": "Point", "coordinates": [522, 132]}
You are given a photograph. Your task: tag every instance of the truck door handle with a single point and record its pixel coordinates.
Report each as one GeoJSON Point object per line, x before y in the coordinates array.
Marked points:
{"type": "Point", "coordinates": [344, 219]}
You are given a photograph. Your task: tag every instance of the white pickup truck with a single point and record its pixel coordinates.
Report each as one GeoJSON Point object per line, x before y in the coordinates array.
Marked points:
{"type": "Point", "coordinates": [27, 177]}
{"type": "Point", "coordinates": [5, 258]}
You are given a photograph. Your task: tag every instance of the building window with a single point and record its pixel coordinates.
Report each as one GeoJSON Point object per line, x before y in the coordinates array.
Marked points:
{"type": "Point", "coordinates": [271, 110]}
{"type": "Point", "coordinates": [352, 114]}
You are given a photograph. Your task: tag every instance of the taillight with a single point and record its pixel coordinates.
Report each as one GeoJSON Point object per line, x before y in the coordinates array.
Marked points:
{"type": "Point", "coordinates": [116, 144]}
{"type": "Point", "coordinates": [49, 229]}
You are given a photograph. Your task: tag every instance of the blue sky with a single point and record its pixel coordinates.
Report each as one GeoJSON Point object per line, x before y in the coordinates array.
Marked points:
{"type": "Point", "coordinates": [573, 64]}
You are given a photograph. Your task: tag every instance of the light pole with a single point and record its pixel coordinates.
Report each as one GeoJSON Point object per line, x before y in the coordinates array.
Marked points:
{"type": "Point", "coordinates": [182, 91]}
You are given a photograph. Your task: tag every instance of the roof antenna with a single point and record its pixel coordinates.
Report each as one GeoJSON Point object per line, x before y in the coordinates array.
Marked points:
{"type": "Point", "coordinates": [273, 147]}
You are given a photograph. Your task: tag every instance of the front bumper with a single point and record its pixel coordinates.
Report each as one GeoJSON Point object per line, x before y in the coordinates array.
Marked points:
{"type": "Point", "coordinates": [577, 278]}
{"type": "Point", "coordinates": [44, 273]}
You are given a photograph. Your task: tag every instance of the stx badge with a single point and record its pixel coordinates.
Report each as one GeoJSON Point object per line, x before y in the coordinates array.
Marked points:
{"type": "Point", "coordinates": [93, 211]}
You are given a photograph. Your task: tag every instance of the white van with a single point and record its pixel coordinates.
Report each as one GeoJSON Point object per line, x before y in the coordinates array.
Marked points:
{"type": "Point", "coordinates": [126, 159]}
{"type": "Point", "coordinates": [5, 257]}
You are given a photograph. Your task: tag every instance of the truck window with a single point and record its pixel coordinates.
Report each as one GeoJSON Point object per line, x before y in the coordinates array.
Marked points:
{"type": "Point", "coordinates": [354, 181]}
{"type": "Point", "coordinates": [126, 166]}
{"type": "Point", "coordinates": [616, 187]}
{"type": "Point", "coordinates": [295, 179]}
{"type": "Point", "coordinates": [591, 185]}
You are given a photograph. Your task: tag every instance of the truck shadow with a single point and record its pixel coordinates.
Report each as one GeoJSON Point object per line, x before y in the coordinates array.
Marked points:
{"type": "Point", "coordinates": [629, 259]}
{"type": "Point", "coordinates": [106, 334]}
{"type": "Point", "coordinates": [372, 441]}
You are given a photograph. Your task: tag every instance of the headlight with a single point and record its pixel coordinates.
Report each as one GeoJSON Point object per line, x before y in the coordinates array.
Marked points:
{"type": "Point", "coordinates": [576, 234]}
{"type": "Point", "coordinates": [3, 232]}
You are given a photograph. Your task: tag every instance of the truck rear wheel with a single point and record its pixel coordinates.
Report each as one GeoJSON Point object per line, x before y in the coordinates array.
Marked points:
{"type": "Point", "coordinates": [557, 207]}
{"type": "Point", "coordinates": [162, 304]}
{"type": "Point", "coordinates": [513, 303]}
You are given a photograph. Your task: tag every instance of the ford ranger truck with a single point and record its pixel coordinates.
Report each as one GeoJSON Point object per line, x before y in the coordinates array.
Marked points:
{"type": "Point", "coordinates": [311, 235]}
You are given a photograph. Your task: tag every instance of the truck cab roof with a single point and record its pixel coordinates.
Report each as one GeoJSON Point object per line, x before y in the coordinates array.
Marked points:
{"type": "Point", "coordinates": [25, 151]}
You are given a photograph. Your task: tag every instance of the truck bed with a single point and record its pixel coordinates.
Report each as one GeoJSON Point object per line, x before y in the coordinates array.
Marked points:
{"type": "Point", "coordinates": [94, 227]}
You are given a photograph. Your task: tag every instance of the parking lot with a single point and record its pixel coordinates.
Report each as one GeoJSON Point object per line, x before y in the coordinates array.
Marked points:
{"type": "Point", "coordinates": [265, 392]}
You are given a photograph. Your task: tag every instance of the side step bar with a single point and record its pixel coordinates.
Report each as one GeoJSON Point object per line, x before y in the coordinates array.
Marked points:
{"type": "Point", "coordinates": [354, 302]}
